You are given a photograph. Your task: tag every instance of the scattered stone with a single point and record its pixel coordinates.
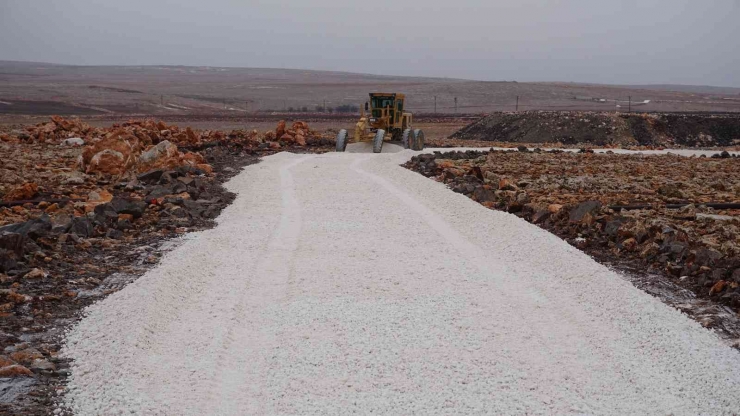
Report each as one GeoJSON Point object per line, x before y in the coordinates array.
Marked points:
{"type": "Point", "coordinates": [36, 274]}
{"type": "Point", "coordinates": [584, 211]}
{"type": "Point", "coordinates": [15, 370]}
{"type": "Point", "coordinates": [74, 141]}
{"type": "Point", "coordinates": [24, 192]}
{"type": "Point", "coordinates": [132, 207]}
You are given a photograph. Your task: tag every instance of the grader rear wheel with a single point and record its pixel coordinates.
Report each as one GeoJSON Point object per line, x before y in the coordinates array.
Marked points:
{"type": "Point", "coordinates": [407, 138]}
{"type": "Point", "coordinates": [341, 140]}
{"type": "Point", "coordinates": [418, 140]}
{"type": "Point", "coordinates": [378, 141]}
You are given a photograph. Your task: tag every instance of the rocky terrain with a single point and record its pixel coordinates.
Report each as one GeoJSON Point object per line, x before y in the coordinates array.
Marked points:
{"type": "Point", "coordinates": [85, 210]}
{"type": "Point", "coordinates": [659, 215]}
{"type": "Point", "coordinates": [606, 129]}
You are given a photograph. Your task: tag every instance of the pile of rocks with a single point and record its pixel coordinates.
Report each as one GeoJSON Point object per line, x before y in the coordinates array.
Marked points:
{"type": "Point", "coordinates": [73, 132]}
{"type": "Point", "coordinates": [299, 134]}
{"type": "Point", "coordinates": [653, 211]}
{"type": "Point", "coordinates": [606, 128]}
{"type": "Point", "coordinates": [57, 130]}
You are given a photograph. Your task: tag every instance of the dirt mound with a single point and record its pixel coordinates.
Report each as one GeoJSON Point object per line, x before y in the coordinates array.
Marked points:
{"type": "Point", "coordinates": [606, 129]}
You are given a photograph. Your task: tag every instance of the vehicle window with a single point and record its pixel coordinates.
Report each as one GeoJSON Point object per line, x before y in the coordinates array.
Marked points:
{"type": "Point", "coordinates": [379, 103]}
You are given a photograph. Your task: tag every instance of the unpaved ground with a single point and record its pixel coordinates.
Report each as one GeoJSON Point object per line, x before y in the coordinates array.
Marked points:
{"type": "Point", "coordinates": [343, 283]}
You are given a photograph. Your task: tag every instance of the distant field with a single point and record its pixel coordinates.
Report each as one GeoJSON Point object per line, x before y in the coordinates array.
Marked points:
{"type": "Point", "coordinates": [44, 89]}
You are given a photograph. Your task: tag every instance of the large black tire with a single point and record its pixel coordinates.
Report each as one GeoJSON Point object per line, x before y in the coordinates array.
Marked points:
{"type": "Point", "coordinates": [407, 138]}
{"type": "Point", "coordinates": [378, 141]}
{"type": "Point", "coordinates": [418, 142]}
{"type": "Point", "coordinates": [341, 140]}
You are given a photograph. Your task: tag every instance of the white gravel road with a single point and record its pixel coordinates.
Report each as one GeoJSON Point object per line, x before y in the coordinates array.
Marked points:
{"type": "Point", "coordinates": [343, 283]}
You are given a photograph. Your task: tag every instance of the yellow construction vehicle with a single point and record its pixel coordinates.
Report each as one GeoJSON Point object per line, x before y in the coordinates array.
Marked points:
{"type": "Point", "coordinates": [383, 119]}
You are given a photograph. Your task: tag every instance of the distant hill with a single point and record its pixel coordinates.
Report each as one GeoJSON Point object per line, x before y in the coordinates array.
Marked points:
{"type": "Point", "coordinates": [39, 88]}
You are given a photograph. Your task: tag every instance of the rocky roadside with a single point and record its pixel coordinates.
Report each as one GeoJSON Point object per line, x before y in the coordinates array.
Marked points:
{"type": "Point", "coordinates": [607, 128]}
{"type": "Point", "coordinates": [85, 211]}
{"type": "Point", "coordinates": [648, 216]}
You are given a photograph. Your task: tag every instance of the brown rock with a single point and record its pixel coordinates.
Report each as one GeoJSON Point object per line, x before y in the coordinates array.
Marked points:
{"type": "Point", "coordinates": [445, 164]}
{"type": "Point", "coordinates": [17, 297]}
{"type": "Point", "coordinates": [100, 196]}
{"type": "Point", "coordinates": [205, 168]}
{"type": "Point", "coordinates": [15, 370]}
{"type": "Point", "coordinates": [35, 274]}
{"type": "Point", "coordinates": [629, 244]}
{"type": "Point", "coordinates": [107, 162]}
{"type": "Point", "coordinates": [6, 361]}
{"type": "Point", "coordinates": [125, 217]}
{"type": "Point", "coordinates": [650, 250]}
{"type": "Point", "coordinates": [300, 125]}
{"type": "Point", "coordinates": [554, 208]}
{"type": "Point", "coordinates": [280, 130]}
{"type": "Point", "coordinates": [192, 137]}
{"type": "Point", "coordinates": [718, 287]}
{"type": "Point", "coordinates": [26, 356]}
{"type": "Point", "coordinates": [26, 191]}
{"type": "Point", "coordinates": [506, 185]}
{"type": "Point", "coordinates": [116, 153]}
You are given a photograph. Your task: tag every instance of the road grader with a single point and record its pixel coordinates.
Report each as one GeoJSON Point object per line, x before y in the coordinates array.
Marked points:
{"type": "Point", "coordinates": [383, 119]}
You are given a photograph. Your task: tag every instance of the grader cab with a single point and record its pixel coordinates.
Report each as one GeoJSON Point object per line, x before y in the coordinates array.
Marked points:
{"type": "Point", "coordinates": [382, 119]}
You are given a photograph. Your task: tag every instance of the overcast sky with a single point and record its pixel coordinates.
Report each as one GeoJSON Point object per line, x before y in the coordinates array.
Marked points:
{"type": "Point", "coordinates": [618, 42]}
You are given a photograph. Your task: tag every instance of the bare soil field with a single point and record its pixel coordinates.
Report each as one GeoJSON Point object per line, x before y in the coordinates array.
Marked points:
{"type": "Point", "coordinates": [46, 89]}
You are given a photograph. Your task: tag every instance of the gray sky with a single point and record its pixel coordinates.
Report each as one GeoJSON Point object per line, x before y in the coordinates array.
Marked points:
{"type": "Point", "coordinates": [621, 42]}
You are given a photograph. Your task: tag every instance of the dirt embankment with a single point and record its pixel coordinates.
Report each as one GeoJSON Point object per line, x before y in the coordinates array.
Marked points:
{"type": "Point", "coordinates": [606, 129]}
{"type": "Point", "coordinates": [85, 210]}
{"type": "Point", "coordinates": [640, 213]}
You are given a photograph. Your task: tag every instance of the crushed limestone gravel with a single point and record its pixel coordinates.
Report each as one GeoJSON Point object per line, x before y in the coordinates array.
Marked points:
{"type": "Point", "coordinates": [343, 283]}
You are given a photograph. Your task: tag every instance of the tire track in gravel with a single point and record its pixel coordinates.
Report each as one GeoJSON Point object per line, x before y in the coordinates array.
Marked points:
{"type": "Point", "coordinates": [240, 363]}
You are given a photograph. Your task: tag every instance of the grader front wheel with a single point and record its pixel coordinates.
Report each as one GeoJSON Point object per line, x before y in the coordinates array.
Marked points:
{"type": "Point", "coordinates": [378, 141]}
